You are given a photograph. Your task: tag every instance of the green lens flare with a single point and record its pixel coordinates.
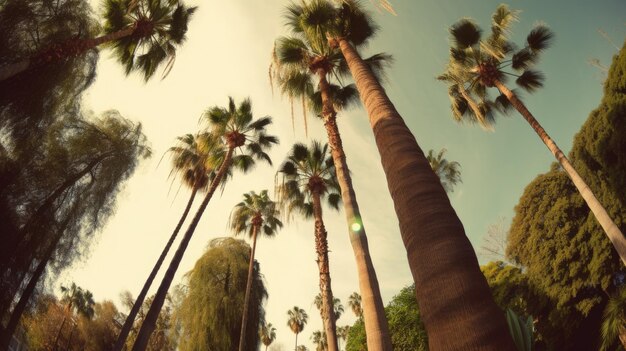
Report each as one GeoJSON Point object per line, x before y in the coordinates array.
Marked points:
{"type": "Point", "coordinates": [356, 227]}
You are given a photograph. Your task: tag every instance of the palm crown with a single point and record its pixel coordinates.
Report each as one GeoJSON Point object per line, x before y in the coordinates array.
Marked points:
{"type": "Point", "coordinates": [477, 64]}
{"type": "Point", "coordinates": [159, 27]}
{"type": "Point", "coordinates": [267, 332]}
{"type": "Point", "coordinates": [308, 172]}
{"type": "Point", "coordinates": [195, 159]}
{"type": "Point", "coordinates": [256, 210]}
{"type": "Point", "coordinates": [297, 319]}
{"type": "Point", "coordinates": [78, 299]}
{"type": "Point", "coordinates": [449, 173]}
{"type": "Point", "coordinates": [354, 302]}
{"type": "Point", "coordinates": [337, 305]}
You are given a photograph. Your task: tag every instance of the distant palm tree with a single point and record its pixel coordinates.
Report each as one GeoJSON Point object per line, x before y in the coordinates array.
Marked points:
{"type": "Point", "coordinates": [454, 297]}
{"type": "Point", "coordinates": [337, 306]}
{"type": "Point", "coordinates": [297, 320]}
{"type": "Point", "coordinates": [302, 348]}
{"type": "Point", "coordinates": [477, 65]}
{"type": "Point", "coordinates": [614, 321]}
{"type": "Point", "coordinates": [304, 66]}
{"type": "Point", "coordinates": [342, 332]}
{"type": "Point", "coordinates": [320, 340]}
{"type": "Point", "coordinates": [255, 213]}
{"type": "Point", "coordinates": [448, 172]}
{"type": "Point", "coordinates": [144, 34]}
{"type": "Point", "coordinates": [237, 131]}
{"type": "Point", "coordinates": [194, 159]}
{"type": "Point", "coordinates": [308, 177]}
{"type": "Point", "coordinates": [354, 302]}
{"type": "Point", "coordinates": [76, 300]}
{"type": "Point", "coordinates": [267, 333]}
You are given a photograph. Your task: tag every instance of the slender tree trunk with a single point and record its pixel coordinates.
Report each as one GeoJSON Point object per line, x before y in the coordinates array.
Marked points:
{"type": "Point", "coordinates": [149, 322]}
{"type": "Point", "coordinates": [66, 49]}
{"type": "Point", "coordinates": [376, 327]}
{"type": "Point", "coordinates": [128, 324]}
{"type": "Point", "coordinates": [246, 301]}
{"type": "Point", "coordinates": [56, 340]}
{"type": "Point", "coordinates": [612, 231]}
{"type": "Point", "coordinates": [622, 336]}
{"type": "Point", "coordinates": [321, 247]}
{"type": "Point", "coordinates": [457, 308]}
{"type": "Point", "coordinates": [296, 348]}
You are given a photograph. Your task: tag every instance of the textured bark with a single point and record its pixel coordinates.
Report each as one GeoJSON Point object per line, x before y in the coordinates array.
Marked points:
{"type": "Point", "coordinates": [321, 248]}
{"type": "Point", "coordinates": [455, 302]}
{"type": "Point", "coordinates": [622, 337]}
{"type": "Point", "coordinates": [246, 301]}
{"type": "Point", "coordinates": [610, 228]}
{"type": "Point", "coordinates": [376, 327]}
{"type": "Point", "coordinates": [128, 324]}
{"type": "Point", "coordinates": [153, 313]}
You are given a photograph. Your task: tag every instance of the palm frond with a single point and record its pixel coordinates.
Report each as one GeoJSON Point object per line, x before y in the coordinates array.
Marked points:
{"type": "Point", "coordinates": [530, 80]}
{"type": "Point", "coordinates": [465, 33]}
{"type": "Point", "coordinates": [539, 38]}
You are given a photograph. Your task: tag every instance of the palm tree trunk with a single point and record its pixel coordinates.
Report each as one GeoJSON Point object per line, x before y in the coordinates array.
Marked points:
{"type": "Point", "coordinates": [128, 324]}
{"type": "Point", "coordinates": [622, 336]}
{"type": "Point", "coordinates": [149, 322]}
{"type": "Point", "coordinates": [70, 48]}
{"type": "Point", "coordinates": [457, 308]}
{"type": "Point", "coordinates": [246, 301]}
{"type": "Point", "coordinates": [610, 228]}
{"type": "Point", "coordinates": [321, 247]}
{"type": "Point", "coordinates": [296, 348]}
{"type": "Point", "coordinates": [376, 327]}
{"type": "Point", "coordinates": [56, 340]}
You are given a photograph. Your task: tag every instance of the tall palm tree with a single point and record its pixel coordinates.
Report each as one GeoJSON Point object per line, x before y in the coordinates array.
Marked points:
{"type": "Point", "coordinates": [299, 60]}
{"type": "Point", "coordinates": [614, 321]}
{"type": "Point", "coordinates": [194, 160]}
{"type": "Point", "coordinates": [477, 65]}
{"type": "Point", "coordinates": [267, 333]}
{"type": "Point", "coordinates": [144, 34]}
{"type": "Point", "coordinates": [354, 302]}
{"type": "Point", "coordinates": [320, 340]}
{"type": "Point", "coordinates": [454, 298]}
{"type": "Point", "coordinates": [255, 213]}
{"type": "Point", "coordinates": [448, 172]}
{"type": "Point", "coordinates": [78, 300]}
{"type": "Point", "coordinates": [308, 177]}
{"type": "Point", "coordinates": [297, 320]}
{"type": "Point", "coordinates": [337, 306]}
{"type": "Point", "coordinates": [245, 141]}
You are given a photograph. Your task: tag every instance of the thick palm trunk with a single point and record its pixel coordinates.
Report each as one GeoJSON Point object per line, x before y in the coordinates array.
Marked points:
{"type": "Point", "coordinates": [321, 247]}
{"type": "Point", "coordinates": [376, 327]}
{"type": "Point", "coordinates": [70, 48]}
{"type": "Point", "coordinates": [128, 324]}
{"type": "Point", "coordinates": [149, 322]}
{"type": "Point", "coordinates": [622, 337]}
{"type": "Point", "coordinates": [246, 301]}
{"type": "Point", "coordinates": [610, 228]}
{"type": "Point", "coordinates": [457, 308]}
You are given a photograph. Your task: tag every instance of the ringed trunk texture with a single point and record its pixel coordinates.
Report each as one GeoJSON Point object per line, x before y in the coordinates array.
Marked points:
{"type": "Point", "coordinates": [128, 324]}
{"type": "Point", "coordinates": [610, 228]}
{"type": "Point", "coordinates": [149, 322]}
{"type": "Point", "coordinates": [321, 247]}
{"type": "Point", "coordinates": [457, 308]}
{"type": "Point", "coordinates": [376, 327]}
{"type": "Point", "coordinates": [246, 301]}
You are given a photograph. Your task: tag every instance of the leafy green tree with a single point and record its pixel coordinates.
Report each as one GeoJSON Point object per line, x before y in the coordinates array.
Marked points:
{"type": "Point", "coordinates": [211, 310]}
{"type": "Point", "coordinates": [308, 177]}
{"type": "Point", "coordinates": [257, 213]}
{"type": "Point", "coordinates": [476, 65]}
{"type": "Point", "coordinates": [301, 60]}
{"type": "Point", "coordinates": [267, 332]}
{"type": "Point", "coordinates": [235, 128]}
{"type": "Point", "coordinates": [448, 172]}
{"type": "Point", "coordinates": [297, 320]}
{"type": "Point", "coordinates": [458, 300]}
{"type": "Point", "coordinates": [144, 34]}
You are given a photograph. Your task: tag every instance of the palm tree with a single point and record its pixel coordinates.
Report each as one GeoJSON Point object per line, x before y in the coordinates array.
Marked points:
{"type": "Point", "coordinates": [194, 161]}
{"type": "Point", "coordinates": [320, 340]}
{"type": "Point", "coordinates": [78, 300]}
{"type": "Point", "coordinates": [614, 321]}
{"type": "Point", "coordinates": [144, 34]}
{"type": "Point", "coordinates": [254, 213]}
{"type": "Point", "coordinates": [302, 348]}
{"type": "Point", "coordinates": [297, 320]}
{"type": "Point", "coordinates": [299, 60]}
{"type": "Point", "coordinates": [448, 172]}
{"type": "Point", "coordinates": [337, 306]}
{"type": "Point", "coordinates": [354, 302]}
{"type": "Point", "coordinates": [234, 128]}
{"type": "Point", "coordinates": [457, 306]}
{"type": "Point", "coordinates": [476, 65]}
{"type": "Point", "coordinates": [267, 333]}
{"type": "Point", "coordinates": [342, 332]}
{"type": "Point", "coordinates": [309, 176]}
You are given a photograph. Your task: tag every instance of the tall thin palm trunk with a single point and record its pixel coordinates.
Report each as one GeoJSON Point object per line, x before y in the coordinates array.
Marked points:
{"type": "Point", "coordinates": [376, 327]}
{"type": "Point", "coordinates": [457, 308]}
{"type": "Point", "coordinates": [246, 301]}
{"type": "Point", "coordinates": [73, 47]}
{"type": "Point", "coordinates": [149, 322]}
{"type": "Point", "coordinates": [610, 228]}
{"type": "Point", "coordinates": [321, 247]}
{"type": "Point", "coordinates": [296, 348]}
{"type": "Point", "coordinates": [128, 324]}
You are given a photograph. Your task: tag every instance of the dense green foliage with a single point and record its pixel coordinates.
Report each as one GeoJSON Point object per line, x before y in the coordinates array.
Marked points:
{"type": "Point", "coordinates": [210, 314]}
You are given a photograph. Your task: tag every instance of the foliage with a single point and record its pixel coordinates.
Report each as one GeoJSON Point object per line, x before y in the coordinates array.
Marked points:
{"type": "Point", "coordinates": [210, 314]}
{"type": "Point", "coordinates": [256, 210]}
{"type": "Point", "coordinates": [354, 302]}
{"type": "Point", "coordinates": [164, 336]}
{"type": "Point", "coordinates": [614, 321]}
{"type": "Point", "coordinates": [521, 329]}
{"type": "Point", "coordinates": [267, 332]}
{"type": "Point", "coordinates": [297, 319]}
{"type": "Point", "coordinates": [449, 173]}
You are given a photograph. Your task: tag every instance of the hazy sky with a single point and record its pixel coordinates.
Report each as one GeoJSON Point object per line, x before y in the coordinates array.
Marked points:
{"type": "Point", "coordinates": [228, 53]}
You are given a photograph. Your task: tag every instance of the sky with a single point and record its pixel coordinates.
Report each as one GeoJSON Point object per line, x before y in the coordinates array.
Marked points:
{"type": "Point", "coordinates": [228, 54]}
